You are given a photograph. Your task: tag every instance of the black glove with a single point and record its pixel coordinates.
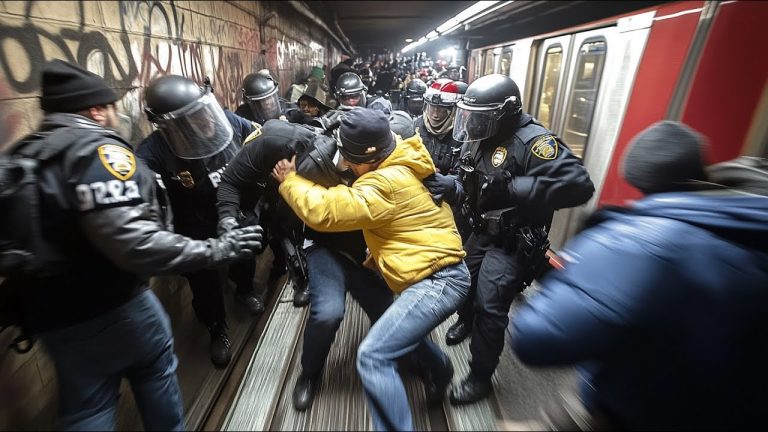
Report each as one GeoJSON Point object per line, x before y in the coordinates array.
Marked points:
{"type": "Point", "coordinates": [237, 244]}
{"type": "Point", "coordinates": [495, 188]}
{"type": "Point", "coordinates": [442, 187]}
{"type": "Point", "coordinates": [295, 115]}
{"type": "Point", "coordinates": [227, 224]}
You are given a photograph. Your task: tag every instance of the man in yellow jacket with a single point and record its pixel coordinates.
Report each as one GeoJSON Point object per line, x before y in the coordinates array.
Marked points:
{"type": "Point", "coordinates": [413, 242]}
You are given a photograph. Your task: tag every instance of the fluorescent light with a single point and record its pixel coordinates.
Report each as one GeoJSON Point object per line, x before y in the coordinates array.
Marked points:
{"type": "Point", "coordinates": [480, 15]}
{"type": "Point", "coordinates": [471, 13]}
{"type": "Point", "coordinates": [409, 40]}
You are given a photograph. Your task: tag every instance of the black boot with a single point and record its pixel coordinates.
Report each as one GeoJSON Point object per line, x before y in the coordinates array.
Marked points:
{"type": "Point", "coordinates": [251, 302]}
{"type": "Point", "coordinates": [435, 385]}
{"type": "Point", "coordinates": [304, 392]}
{"type": "Point", "coordinates": [301, 296]}
{"type": "Point", "coordinates": [458, 332]}
{"type": "Point", "coordinates": [471, 390]}
{"type": "Point", "coordinates": [219, 349]}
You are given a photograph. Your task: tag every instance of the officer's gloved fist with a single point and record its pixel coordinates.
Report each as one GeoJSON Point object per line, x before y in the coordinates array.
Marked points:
{"type": "Point", "coordinates": [237, 244]}
{"type": "Point", "coordinates": [442, 187]}
{"type": "Point", "coordinates": [495, 187]}
{"type": "Point", "coordinates": [227, 224]}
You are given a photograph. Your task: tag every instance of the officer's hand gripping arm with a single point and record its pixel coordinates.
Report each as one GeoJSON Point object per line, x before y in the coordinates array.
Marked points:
{"type": "Point", "coordinates": [443, 187]}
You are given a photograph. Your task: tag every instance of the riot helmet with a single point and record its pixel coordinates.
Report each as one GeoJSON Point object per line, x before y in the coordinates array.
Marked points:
{"type": "Point", "coordinates": [414, 96]}
{"type": "Point", "coordinates": [188, 116]}
{"type": "Point", "coordinates": [462, 87]}
{"type": "Point", "coordinates": [350, 90]}
{"type": "Point", "coordinates": [487, 100]}
{"type": "Point", "coordinates": [439, 103]}
{"type": "Point", "coordinates": [260, 92]}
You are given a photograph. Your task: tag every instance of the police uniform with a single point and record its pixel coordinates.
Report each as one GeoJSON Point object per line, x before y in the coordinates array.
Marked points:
{"type": "Point", "coordinates": [543, 176]}
{"type": "Point", "coordinates": [191, 186]}
{"type": "Point", "coordinates": [443, 148]}
{"type": "Point", "coordinates": [94, 312]}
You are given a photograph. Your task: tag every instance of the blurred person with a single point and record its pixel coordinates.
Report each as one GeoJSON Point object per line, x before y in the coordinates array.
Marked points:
{"type": "Point", "coordinates": [344, 66]}
{"type": "Point", "coordinates": [514, 174]}
{"type": "Point", "coordinates": [193, 142]}
{"type": "Point", "coordinates": [413, 243]}
{"type": "Point", "coordinates": [351, 91]}
{"type": "Point", "coordinates": [89, 302]}
{"type": "Point", "coordinates": [662, 304]}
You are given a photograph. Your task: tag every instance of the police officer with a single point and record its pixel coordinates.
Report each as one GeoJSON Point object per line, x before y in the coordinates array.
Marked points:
{"type": "Point", "coordinates": [413, 101]}
{"type": "Point", "coordinates": [435, 127]}
{"type": "Point", "coordinates": [516, 174]}
{"type": "Point", "coordinates": [350, 91]}
{"type": "Point", "coordinates": [262, 102]}
{"type": "Point", "coordinates": [90, 305]}
{"type": "Point", "coordinates": [194, 141]}
{"type": "Point", "coordinates": [334, 260]}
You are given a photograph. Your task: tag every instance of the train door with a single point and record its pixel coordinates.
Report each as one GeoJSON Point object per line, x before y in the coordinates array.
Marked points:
{"type": "Point", "coordinates": [548, 93]}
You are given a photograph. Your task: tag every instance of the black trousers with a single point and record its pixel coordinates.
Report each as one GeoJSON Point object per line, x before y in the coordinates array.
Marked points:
{"type": "Point", "coordinates": [495, 281]}
{"type": "Point", "coordinates": [208, 284]}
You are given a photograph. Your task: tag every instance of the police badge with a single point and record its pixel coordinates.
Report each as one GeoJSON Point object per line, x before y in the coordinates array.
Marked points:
{"type": "Point", "coordinates": [499, 156]}
{"type": "Point", "coordinates": [117, 160]}
{"type": "Point", "coordinates": [545, 148]}
{"type": "Point", "coordinates": [185, 177]}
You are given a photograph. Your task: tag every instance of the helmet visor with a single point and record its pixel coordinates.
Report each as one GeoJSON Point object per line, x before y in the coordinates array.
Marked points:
{"type": "Point", "coordinates": [473, 125]}
{"type": "Point", "coordinates": [197, 130]}
{"type": "Point", "coordinates": [415, 106]}
{"type": "Point", "coordinates": [353, 100]}
{"type": "Point", "coordinates": [267, 107]}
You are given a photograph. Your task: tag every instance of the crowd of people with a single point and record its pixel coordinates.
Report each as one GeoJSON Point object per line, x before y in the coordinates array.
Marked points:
{"type": "Point", "coordinates": [420, 195]}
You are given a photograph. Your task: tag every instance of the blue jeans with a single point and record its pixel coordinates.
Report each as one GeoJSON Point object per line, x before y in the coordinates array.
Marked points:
{"type": "Point", "coordinates": [403, 328]}
{"type": "Point", "coordinates": [331, 275]}
{"type": "Point", "coordinates": [91, 358]}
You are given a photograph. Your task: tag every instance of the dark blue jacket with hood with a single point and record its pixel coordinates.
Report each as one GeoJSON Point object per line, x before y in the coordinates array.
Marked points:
{"type": "Point", "coordinates": [664, 308]}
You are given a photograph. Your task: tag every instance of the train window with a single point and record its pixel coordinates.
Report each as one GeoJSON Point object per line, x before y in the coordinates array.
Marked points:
{"type": "Point", "coordinates": [489, 60]}
{"type": "Point", "coordinates": [581, 107]}
{"type": "Point", "coordinates": [506, 61]}
{"type": "Point", "coordinates": [550, 81]}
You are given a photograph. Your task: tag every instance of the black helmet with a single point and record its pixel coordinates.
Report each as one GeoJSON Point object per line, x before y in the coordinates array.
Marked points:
{"type": "Point", "coordinates": [169, 93]}
{"type": "Point", "coordinates": [350, 90]}
{"type": "Point", "coordinates": [260, 92]}
{"type": "Point", "coordinates": [188, 116]}
{"type": "Point", "coordinates": [462, 87]}
{"type": "Point", "coordinates": [414, 96]}
{"type": "Point", "coordinates": [486, 101]}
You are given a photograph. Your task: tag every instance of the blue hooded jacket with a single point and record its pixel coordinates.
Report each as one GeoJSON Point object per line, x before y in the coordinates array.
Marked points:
{"type": "Point", "coordinates": [664, 308]}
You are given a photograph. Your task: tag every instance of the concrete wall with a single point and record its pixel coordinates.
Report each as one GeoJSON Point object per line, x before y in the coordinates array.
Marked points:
{"type": "Point", "coordinates": [130, 43]}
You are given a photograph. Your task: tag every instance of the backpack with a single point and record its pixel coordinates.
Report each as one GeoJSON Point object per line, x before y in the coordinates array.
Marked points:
{"type": "Point", "coordinates": [24, 252]}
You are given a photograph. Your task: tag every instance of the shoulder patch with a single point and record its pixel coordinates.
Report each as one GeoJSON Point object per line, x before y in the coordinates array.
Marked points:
{"type": "Point", "coordinates": [255, 134]}
{"type": "Point", "coordinates": [499, 156]}
{"type": "Point", "coordinates": [119, 161]}
{"type": "Point", "coordinates": [545, 147]}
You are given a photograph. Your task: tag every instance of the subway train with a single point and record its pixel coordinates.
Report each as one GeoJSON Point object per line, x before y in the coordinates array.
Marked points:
{"type": "Point", "coordinates": [598, 84]}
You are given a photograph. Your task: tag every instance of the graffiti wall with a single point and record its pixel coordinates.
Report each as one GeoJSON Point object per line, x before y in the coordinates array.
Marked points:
{"type": "Point", "coordinates": [130, 43]}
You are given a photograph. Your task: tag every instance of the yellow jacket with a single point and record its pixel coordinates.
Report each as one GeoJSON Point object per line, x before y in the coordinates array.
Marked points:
{"type": "Point", "coordinates": [408, 236]}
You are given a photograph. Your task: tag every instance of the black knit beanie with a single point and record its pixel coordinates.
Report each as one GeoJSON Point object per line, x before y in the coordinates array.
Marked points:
{"type": "Point", "coordinates": [667, 156]}
{"type": "Point", "coordinates": [68, 88]}
{"type": "Point", "coordinates": [365, 136]}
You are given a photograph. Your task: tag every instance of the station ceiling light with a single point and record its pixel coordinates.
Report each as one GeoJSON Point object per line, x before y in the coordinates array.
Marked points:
{"type": "Point", "coordinates": [471, 13]}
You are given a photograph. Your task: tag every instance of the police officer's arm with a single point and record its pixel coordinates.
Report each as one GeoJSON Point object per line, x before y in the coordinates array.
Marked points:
{"type": "Point", "coordinates": [242, 172]}
{"type": "Point", "coordinates": [118, 213]}
{"type": "Point", "coordinates": [243, 126]}
{"type": "Point", "coordinates": [553, 177]}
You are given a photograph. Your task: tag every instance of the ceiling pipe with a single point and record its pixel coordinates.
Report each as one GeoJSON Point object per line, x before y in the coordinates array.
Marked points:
{"type": "Point", "coordinates": [304, 10]}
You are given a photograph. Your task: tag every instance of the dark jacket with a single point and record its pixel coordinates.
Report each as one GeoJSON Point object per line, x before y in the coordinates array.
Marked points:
{"type": "Point", "coordinates": [664, 306]}
{"type": "Point", "coordinates": [192, 183]}
{"type": "Point", "coordinates": [99, 210]}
